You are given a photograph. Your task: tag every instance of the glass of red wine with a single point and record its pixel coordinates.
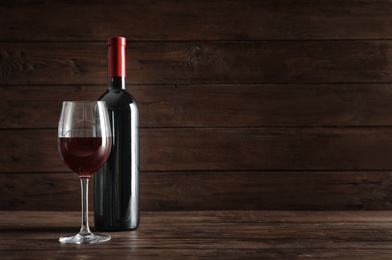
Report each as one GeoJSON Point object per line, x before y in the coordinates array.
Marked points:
{"type": "Point", "coordinates": [84, 143]}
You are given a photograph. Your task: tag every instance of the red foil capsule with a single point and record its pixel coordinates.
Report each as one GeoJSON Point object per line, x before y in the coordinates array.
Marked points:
{"type": "Point", "coordinates": [116, 57]}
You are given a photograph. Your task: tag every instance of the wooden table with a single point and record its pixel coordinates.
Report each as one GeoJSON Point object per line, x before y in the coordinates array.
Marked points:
{"type": "Point", "coordinates": [206, 234]}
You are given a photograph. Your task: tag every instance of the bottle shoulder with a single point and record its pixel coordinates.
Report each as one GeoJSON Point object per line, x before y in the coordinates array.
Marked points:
{"type": "Point", "coordinates": [117, 98]}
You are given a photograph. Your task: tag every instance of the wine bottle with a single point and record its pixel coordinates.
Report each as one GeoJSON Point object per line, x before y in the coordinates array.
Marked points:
{"type": "Point", "coordinates": [117, 182]}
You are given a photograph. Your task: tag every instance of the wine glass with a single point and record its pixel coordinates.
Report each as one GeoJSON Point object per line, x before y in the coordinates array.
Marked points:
{"type": "Point", "coordinates": [84, 143]}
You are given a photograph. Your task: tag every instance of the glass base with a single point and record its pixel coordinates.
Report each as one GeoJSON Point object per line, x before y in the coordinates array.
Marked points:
{"type": "Point", "coordinates": [89, 238]}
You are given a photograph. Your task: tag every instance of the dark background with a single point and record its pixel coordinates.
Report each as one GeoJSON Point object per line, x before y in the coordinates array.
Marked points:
{"type": "Point", "coordinates": [244, 104]}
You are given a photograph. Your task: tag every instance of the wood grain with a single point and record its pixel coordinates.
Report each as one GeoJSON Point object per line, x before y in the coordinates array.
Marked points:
{"type": "Point", "coordinates": [206, 234]}
{"type": "Point", "coordinates": [266, 190]}
{"type": "Point", "coordinates": [275, 104]}
{"type": "Point", "coordinates": [223, 105]}
{"type": "Point", "coordinates": [266, 149]}
{"type": "Point", "coordinates": [36, 191]}
{"type": "Point", "coordinates": [221, 149]}
{"type": "Point", "coordinates": [256, 190]}
{"type": "Point", "coordinates": [248, 62]}
{"type": "Point", "coordinates": [190, 20]}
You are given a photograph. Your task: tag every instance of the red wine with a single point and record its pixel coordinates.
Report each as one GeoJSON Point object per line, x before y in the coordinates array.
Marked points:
{"type": "Point", "coordinates": [84, 155]}
{"type": "Point", "coordinates": [117, 182]}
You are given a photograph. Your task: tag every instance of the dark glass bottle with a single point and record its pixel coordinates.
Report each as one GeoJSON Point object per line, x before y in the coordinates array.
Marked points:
{"type": "Point", "coordinates": [117, 182]}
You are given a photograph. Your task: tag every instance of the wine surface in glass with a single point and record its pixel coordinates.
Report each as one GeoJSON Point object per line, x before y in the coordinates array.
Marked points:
{"type": "Point", "coordinates": [84, 155]}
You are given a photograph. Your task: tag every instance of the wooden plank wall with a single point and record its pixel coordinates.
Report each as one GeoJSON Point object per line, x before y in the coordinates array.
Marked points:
{"type": "Point", "coordinates": [245, 104]}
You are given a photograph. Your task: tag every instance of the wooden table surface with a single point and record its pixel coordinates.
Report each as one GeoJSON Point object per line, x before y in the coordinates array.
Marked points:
{"type": "Point", "coordinates": [206, 234]}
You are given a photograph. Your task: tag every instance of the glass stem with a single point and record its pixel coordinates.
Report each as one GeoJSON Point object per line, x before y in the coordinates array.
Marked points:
{"type": "Point", "coordinates": [85, 229]}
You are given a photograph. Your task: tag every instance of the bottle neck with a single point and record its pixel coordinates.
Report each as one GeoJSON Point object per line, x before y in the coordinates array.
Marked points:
{"type": "Point", "coordinates": [116, 83]}
{"type": "Point", "coordinates": [116, 63]}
